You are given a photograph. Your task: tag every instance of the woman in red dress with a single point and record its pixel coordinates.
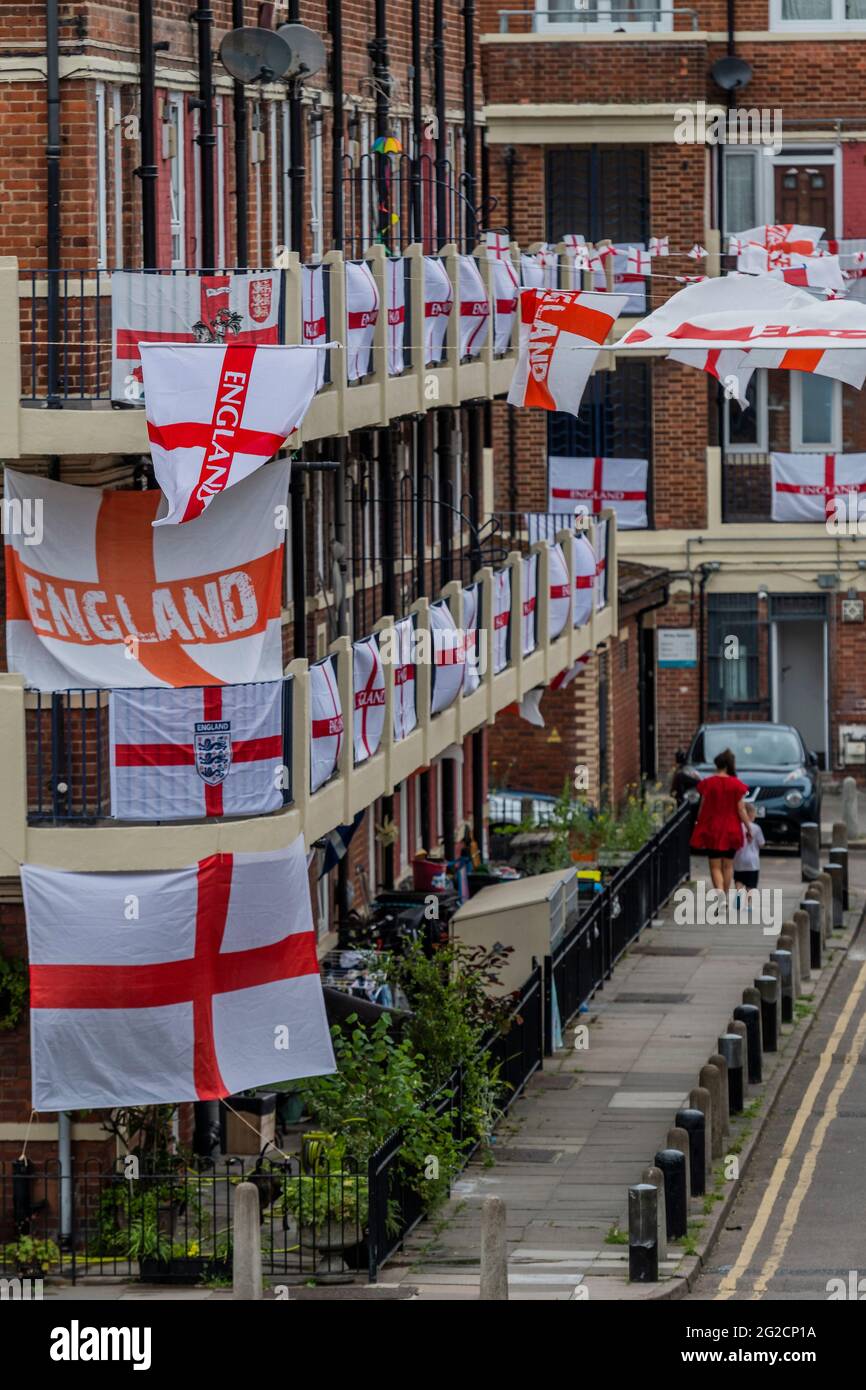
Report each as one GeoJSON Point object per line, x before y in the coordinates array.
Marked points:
{"type": "Point", "coordinates": [722, 815]}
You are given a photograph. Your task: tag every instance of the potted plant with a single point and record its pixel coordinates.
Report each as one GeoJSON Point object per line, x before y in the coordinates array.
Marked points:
{"type": "Point", "coordinates": [330, 1208]}
{"type": "Point", "coordinates": [31, 1258]}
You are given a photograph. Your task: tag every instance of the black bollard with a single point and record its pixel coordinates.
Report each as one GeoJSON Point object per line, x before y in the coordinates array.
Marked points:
{"type": "Point", "coordinates": [672, 1163]}
{"type": "Point", "coordinates": [643, 1248]}
{"type": "Point", "coordinates": [786, 969]}
{"type": "Point", "coordinates": [695, 1124]}
{"type": "Point", "coordinates": [810, 850]}
{"type": "Point", "coordinates": [731, 1048]}
{"type": "Point", "coordinates": [839, 855]}
{"type": "Point", "coordinates": [836, 877]}
{"type": "Point", "coordinates": [816, 932]}
{"type": "Point", "coordinates": [768, 988]}
{"type": "Point", "coordinates": [750, 1014]}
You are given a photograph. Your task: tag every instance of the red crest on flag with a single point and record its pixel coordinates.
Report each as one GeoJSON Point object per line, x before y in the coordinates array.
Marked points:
{"type": "Point", "coordinates": [260, 299]}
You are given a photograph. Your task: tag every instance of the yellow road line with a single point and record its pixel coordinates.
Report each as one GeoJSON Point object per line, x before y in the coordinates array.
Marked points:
{"type": "Point", "coordinates": [780, 1170]}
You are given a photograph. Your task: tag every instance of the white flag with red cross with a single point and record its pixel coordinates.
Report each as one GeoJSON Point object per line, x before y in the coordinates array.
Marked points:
{"type": "Point", "coordinates": [659, 245]}
{"type": "Point", "coordinates": [585, 565]}
{"type": "Point", "coordinates": [242, 308]}
{"type": "Point", "coordinates": [592, 484]}
{"type": "Point", "coordinates": [505, 289]}
{"type": "Point", "coordinates": [474, 308]}
{"type": "Point", "coordinates": [314, 322]}
{"type": "Point", "coordinates": [561, 334]}
{"type": "Point", "coordinates": [326, 723]}
{"type": "Point", "coordinates": [560, 596]}
{"type": "Point", "coordinates": [449, 657]}
{"type": "Point", "coordinates": [438, 304]}
{"type": "Point", "coordinates": [806, 486]}
{"type": "Point", "coordinates": [564, 679]}
{"type": "Point", "coordinates": [781, 236]}
{"type": "Point", "coordinates": [404, 703]}
{"type": "Point", "coordinates": [472, 668]}
{"type": "Point", "coordinates": [214, 750]}
{"type": "Point", "coordinates": [638, 261]}
{"type": "Point", "coordinates": [362, 315]}
{"type": "Point", "coordinates": [107, 600]}
{"type": "Point", "coordinates": [529, 565]}
{"type": "Point", "coordinates": [158, 987]}
{"type": "Point", "coordinates": [369, 692]}
{"type": "Point", "coordinates": [501, 618]}
{"type": "Point", "coordinates": [216, 414]}
{"type": "Point", "coordinates": [601, 574]}
{"type": "Point", "coordinates": [395, 284]}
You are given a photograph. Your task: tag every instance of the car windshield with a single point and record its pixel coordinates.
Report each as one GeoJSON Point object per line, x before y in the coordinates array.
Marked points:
{"type": "Point", "coordinates": [752, 747]}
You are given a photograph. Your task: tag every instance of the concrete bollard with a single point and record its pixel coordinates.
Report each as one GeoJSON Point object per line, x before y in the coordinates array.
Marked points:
{"type": "Point", "coordinates": [839, 837]}
{"type": "Point", "coordinates": [768, 988]}
{"type": "Point", "coordinates": [789, 941]}
{"type": "Point", "coordinates": [643, 1250]}
{"type": "Point", "coordinates": [718, 1061]}
{"type": "Point", "coordinates": [700, 1099]}
{"type": "Point", "coordinates": [800, 919]}
{"type": "Point", "coordinates": [784, 961]}
{"type": "Point", "coordinates": [826, 884]}
{"type": "Point", "coordinates": [849, 808]}
{"type": "Point", "coordinates": [750, 1016]}
{"type": "Point", "coordinates": [494, 1251]}
{"type": "Point", "coordinates": [736, 1025]}
{"type": "Point", "coordinates": [246, 1243]}
{"type": "Point", "coordinates": [837, 889]}
{"type": "Point", "coordinates": [679, 1139]}
{"type": "Point", "coordinates": [710, 1080]}
{"type": "Point", "coordinates": [839, 855]}
{"type": "Point", "coordinates": [813, 910]}
{"type": "Point", "coordinates": [655, 1177]}
{"type": "Point", "coordinates": [672, 1163]}
{"type": "Point", "coordinates": [731, 1048]}
{"type": "Point", "coordinates": [810, 850]}
{"type": "Point", "coordinates": [694, 1124]}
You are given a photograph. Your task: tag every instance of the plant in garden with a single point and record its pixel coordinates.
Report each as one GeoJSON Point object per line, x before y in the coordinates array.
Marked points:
{"type": "Point", "coordinates": [31, 1257]}
{"type": "Point", "coordinates": [13, 991]}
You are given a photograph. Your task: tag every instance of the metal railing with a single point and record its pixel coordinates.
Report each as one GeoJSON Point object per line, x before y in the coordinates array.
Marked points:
{"type": "Point", "coordinates": [571, 14]}
{"type": "Point", "coordinates": [626, 905]}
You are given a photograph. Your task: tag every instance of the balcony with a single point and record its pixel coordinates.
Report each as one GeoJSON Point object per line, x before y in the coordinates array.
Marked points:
{"type": "Point", "coordinates": [56, 802]}
{"type": "Point", "coordinates": [56, 398]}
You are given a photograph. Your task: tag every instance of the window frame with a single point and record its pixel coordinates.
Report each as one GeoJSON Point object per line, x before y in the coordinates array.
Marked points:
{"type": "Point", "coordinates": [174, 105]}
{"type": "Point", "coordinates": [762, 445]}
{"type": "Point", "coordinates": [836, 20]}
{"type": "Point", "coordinates": [797, 444]}
{"type": "Point", "coordinates": [584, 25]}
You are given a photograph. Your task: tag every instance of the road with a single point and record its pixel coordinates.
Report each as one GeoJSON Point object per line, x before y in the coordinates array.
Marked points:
{"type": "Point", "coordinates": [798, 1221]}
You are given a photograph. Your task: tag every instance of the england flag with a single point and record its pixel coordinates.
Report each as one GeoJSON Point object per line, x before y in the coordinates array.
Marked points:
{"type": "Point", "coordinates": [362, 315]}
{"type": "Point", "coordinates": [592, 484]}
{"type": "Point", "coordinates": [807, 487]}
{"type": "Point", "coordinates": [369, 691]}
{"type": "Point", "coordinates": [326, 723]}
{"type": "Point", "coordinates": [438, 304]}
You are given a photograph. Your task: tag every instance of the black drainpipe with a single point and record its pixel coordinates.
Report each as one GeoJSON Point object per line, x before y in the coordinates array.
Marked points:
{"type": "Point", "coordinates": [52, 160]}
{"type": "Point", "coordinates": [206, 139]}
{"type": "Point", "coordinates": [239, 115]}
{"type": "Point", "coordinates": [299, 572]}
{"type": "Point", "coordinates": [146, 171]}
{"type": "Point", "coordinates": [438, 47]}
{"type": "Point", "coordinates": [470, 164]}
{"type": "Point", "coordinates": [296, 142]}
{"type": "Point", "coordinates": [378, 51]}
{"type": "Point", "coordinates": [336, 22]}
{"type": "Point", "coordinates": [417, 124]}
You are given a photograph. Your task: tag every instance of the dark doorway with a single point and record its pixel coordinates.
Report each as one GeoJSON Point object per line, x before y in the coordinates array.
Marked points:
{"type": "Point", "coordinates": [647, 699]}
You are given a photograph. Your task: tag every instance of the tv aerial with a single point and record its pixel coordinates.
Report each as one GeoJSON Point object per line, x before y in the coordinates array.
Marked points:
{"type": "Point", "coordinates": [308, 51]}
{"type": "Point", "coordinates": [256, 55]}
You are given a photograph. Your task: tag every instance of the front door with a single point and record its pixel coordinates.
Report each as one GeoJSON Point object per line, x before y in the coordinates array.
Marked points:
{"type": "Point", "coordinates": [647, 698]}
{"type": "Point", "coordinates": [799, 684]}
{"type": "Point", "coordinates": [804, 194]}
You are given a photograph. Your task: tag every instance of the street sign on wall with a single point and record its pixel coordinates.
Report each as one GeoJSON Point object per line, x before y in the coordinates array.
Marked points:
{"type": "Point", "coordinates": [677, 647]}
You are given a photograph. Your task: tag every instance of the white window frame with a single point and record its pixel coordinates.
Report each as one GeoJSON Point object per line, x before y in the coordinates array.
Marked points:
{"type": "Point", "coordinates": [317, 184]}
{"type": "Point", "coordinates": [101, 177]}
{"type": "Point", "coordinates": [366, 164]}
{"type": "Point", "coordinates": [274, 177]}
{"type": "Point", "coordinates": [174, 105]}
{"type": "Point", "coordinates": [286, 173]}
{"type": "Point", "coordinates": [196, 183]}
{"type": "Point", "coordinates": [836, 20]}
{"type": "Point", "coordinates": [219, 121]}
{"type": "Point", "coordinates": [763, 432]}
{"type": "Point", "coordinates": [117, 173]}
{"type": "Point", "coordinates": [830, 446]}
{"type": "Point", "coordinates": [602, 23]}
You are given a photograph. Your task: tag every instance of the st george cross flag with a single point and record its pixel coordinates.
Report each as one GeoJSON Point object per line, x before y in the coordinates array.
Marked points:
{"type": "Point", "coordinates": [472, 670]}
{"type": "Point", "coordinates": [449, 657]}
{"type": "Point", "coordinates": [531, 272]}
{"type": "Point", "coordinates": [530, 602]}
{"type": "Point", "coordinates": [243, 309]}
{"type": "Point", "coordinates": [565, 678]}
{"type": "Point", "coordinates": [362, 314]}
{"type": "Point", "coordinates": [501, 618]}
{"type": "Point", "coordinates": [783, 236]}
{"type": "Point", "coordinates": [438, 303]}
{"type": "Point", "coordinates": [326, 723]}
{"type": "Point", "coordinates": [659, 245]}
{"type": "Point", "coordinates": [212, 987]}
{"type": "Point", "coordinates": [807, 272]}
{"type": "Point", "coordinates": [596, 483]}
{"type": "Point", "coordinates": [474, 308]}
{"type": "Point", "coordinates": [216, 414]}
{"type": "Point", "coordinates": [108, 601]}
{"type": "Point", "coordinates": [560, 597]}
{"type": "Point", "coordinates": [561, 333]}
{"type": "Point", "coordinates": [627, 279]}
{"type": "Point", "coordinates": [638, 261]}
{"type": "Point", "coordinates": [505, 289]}
{"type": "Point", "coordinates": [369, 686]}
{"type": "Point", "coordinates": [601, 576]}
{"type": "Point", "coordinates": [314, 324]}
{"type": "Point", "coordinates": [806, 486]}
{"type": "Point", "coordinates": [405, 709]}
{"type": "Point", "coordinates": [395, 283]}
{"type": "Point", "coordinates": [585, 566]}
{"type": "Point", "coordinates": [215, 750]}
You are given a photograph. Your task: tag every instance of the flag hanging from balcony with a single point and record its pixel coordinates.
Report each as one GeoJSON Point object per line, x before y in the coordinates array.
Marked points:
{"type": "Point", "coordinates": [449, 657]}
{"type": "Point", "coordinates": [242, 308]}
{"type": "Point", "coordinates": [592, 484]}
{"type": "Point", "coordinates": [438, 303]}
{"type": "Point", "coordinates": [601, 575]}
{"type": "Point", "coordinates": [403, 654]}
{"type": "Point", "coordinates": [362, 315]}
{"type": "Point", "coordinates": [158, 987]}
{"type": "Point", "coordinates": [564, 679]}
{"type": "Point", "coordinates": [369, 683]}
{"type": "Point", "coordinates": [818, 487]}
{"type": "Point", "coordinates": [559, 591]}
{"type": "Point", "coordinates": [474, 308]}
{"type": "Point", "coordinates": [628, 275]}
{"type": "Point", "coordinates": [108, 601]}
{"type": "Point", "coordinates": [213, 750]}
{"type": "Point", "coordinates": [472, 670]}
{"type": "Point", "coordinates": [530, 600]}
{"type": "Point", "coordinates": [505, 289]}
{"type": "Point", "coordinates": [585, 564]}
{"type": "Point", "coordinates": [395, 281]}
{"type": "Point", "coordinates": [807, 272]}
{"type": "Point", "coordinates": [326, 723]}
{"type": "Point", "coordinates": [216, 414]}
{"type": "Point", "coordinates": [561, 333]}
{"type": "Point", "coordinates": [314, 323]}
{"type": "Point", "coordinates": [501, 618]}
{"type": "Point", "coordinates": [783, 236]}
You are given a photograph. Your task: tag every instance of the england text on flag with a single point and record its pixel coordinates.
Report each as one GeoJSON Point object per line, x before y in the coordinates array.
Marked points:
{"type": "Point", "coordinates": [369, 683]}
{"type": "Point", "coordinates": [806, 486]}
{"type": "Point", "coordinates": [201, 751]}
{"type": "Point", "coordinates": [561, 333]}
{"type": "Point", "coordinates": [213, 989]}
{"type": "Point", "coordinates": [592, 484]}
{"type": "Point", "coordinates": [216, 414]}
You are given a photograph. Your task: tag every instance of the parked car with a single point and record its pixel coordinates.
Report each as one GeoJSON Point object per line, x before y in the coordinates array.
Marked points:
{"type": "Point", "coordinates": [775, 764]}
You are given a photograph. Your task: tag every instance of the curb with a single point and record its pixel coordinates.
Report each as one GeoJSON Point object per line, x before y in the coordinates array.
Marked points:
{"type": "Point", "coordinates": [683, 1284]}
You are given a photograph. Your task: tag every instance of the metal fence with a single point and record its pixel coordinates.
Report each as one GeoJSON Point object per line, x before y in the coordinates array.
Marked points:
{"type": "Point", "coordinates": [626, 905]}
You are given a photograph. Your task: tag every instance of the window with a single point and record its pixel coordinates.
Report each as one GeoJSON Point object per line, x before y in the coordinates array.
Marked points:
{"type": "Point", "coordinates": [615, 419]}
{"type": "Point", "coordinates": [316, 184]}
{"type": "Point", "coordinates": [595, 16]}
{"type": "Point", "coordinates": [101, 189]}
{"type": "Point", "coordinates": [219, 121]}
{"type": "Point", "coordinates": [746, 429]}
{"type": "Point", "coordinates": [741, 191]}
{"type": "Point", "coordinates": [817, 14]}
{"type": "Point", "coordinates": [598, 191]}
{"type": "Point", "coordinates": [816, 413]}
{"type": "Point", "coordinates": [117, 178]}
{"type": "Point", "coordinates": [732, 648]}
{"type": "Point", "coordinates": [173, 152]}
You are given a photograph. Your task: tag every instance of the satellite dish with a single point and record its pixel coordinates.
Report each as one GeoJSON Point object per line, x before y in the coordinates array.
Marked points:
{"type": "Point", "coordinates": [730, 73]}
{"type": "Point", "coordinates": [308, 50]}
{"type": "Point", "coordinates": [255, 55]}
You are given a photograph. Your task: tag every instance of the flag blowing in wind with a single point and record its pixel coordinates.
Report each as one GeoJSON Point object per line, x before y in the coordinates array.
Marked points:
{"type": "Point", "coordinates": [561, 333]}
{"type": "Point", "coordinates": [217, 413]}
{"type": "Point", "coordinates": [183, 985]}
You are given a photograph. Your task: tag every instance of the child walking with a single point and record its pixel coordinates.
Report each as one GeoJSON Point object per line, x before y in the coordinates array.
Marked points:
{"type": "Point", "coordinates": [747, 860]}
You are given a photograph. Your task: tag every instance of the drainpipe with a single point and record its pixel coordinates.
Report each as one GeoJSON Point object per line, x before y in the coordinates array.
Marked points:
{"type": "Point", "coordinates": [420, 518]}
{"type": "Point", "coordinates": [239, 115]}
{"type": "Point", "coordinates": [299, 573]}
{"type": "Point", "coordinates": [417, 124]}
{"type": "Point", "coordinates": [470, 165]}
{"type": "Point", "coordinates": [52, 162]}
{"type": "Point", "coordinates": [444, 457]}
{"type": "Point", "coordinates": [704, 580]}
{"type": "Point", "coordinates": [438, 48]}
{"type": "Point", "coordinates": [336, 24]}
{"type": "Point", "coordinates": [509, 159]}
{"type": "Point", "coordinates": [206, 139]}
{"type": "Point", "coordinates": [64, 1159]}
{"type": "Point", "coordinates": [378, 51]}
{"type": "Point", "coordinates": [296, 142]}
{"type": "Point", "coordinates": [146, 171]}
